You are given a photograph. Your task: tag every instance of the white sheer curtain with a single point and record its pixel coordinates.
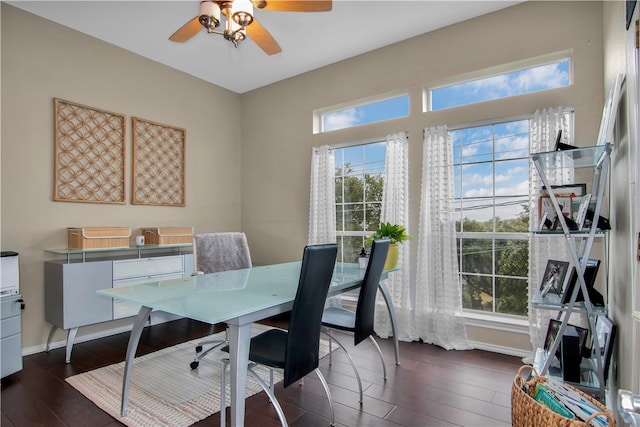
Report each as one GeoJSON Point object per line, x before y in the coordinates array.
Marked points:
{"type": "Point", "coordinates": [395, 209]}
{"type": "Point", "coordinates": [438, 313]}
{"type": "Point", "coordinates": [543, 132]}
{"type": "Point", "coordinates": [322, 204]}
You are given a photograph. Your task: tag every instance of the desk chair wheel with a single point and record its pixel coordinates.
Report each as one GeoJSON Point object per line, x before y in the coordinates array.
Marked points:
{"type": "Point", "coordinates": [195, 364]}
{"type": "Point", "coordinates": [198, 349]}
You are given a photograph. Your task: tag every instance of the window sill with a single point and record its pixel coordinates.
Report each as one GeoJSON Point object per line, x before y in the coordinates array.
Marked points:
{"type": "Point", "coordinates": [503, 323]}
{"type": "Point", "coordinates": [512, 324]}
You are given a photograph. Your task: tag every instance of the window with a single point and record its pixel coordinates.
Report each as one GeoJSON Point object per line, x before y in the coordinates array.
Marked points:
{"type": "Point", "coordinates": [361, 112]}
{"type": "Point", "coordinates": [522, 78]}
{"type": "Point", "coordinates": [491, 181]}
{"type": "Point", "coordinates": [359, 179]}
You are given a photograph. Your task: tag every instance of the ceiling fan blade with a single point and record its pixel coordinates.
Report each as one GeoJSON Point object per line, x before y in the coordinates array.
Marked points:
{"type": "Point", "coordinates": [263, 39]}
{"type": "Point", "coordinates": [187, 31]}
{"type": "Point", "coordinates": [295, 5]}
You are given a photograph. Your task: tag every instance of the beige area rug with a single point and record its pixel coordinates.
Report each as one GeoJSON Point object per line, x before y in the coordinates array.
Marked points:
{"type": "Point", "coordinates": [164, 391]}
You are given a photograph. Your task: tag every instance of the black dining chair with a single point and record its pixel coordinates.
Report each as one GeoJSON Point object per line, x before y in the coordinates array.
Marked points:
{"type": "Point", "coordinates": [360, 322]}
{"type": "Point", "coordinates": [297, 350]}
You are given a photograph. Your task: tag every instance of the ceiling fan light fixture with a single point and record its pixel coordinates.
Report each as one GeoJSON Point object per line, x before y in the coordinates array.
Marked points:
{"type": "Point", "coordinates": [242, 12]}
{"type": "Point", "coordinates": [209, 15]}
{"type": "Point", "coordinates": [239, 20]}
{"type": "Point", "coordinates": [234, 32]}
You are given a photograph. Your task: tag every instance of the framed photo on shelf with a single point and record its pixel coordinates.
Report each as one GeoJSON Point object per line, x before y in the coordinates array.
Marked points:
{"type": "Point", "coordinates": [566, 195]}
{"type": "Point", "coordinates": [590, 273]}
{"type": "Point", "coordinates": [581, 213]}
{"type": "Point", "coordinates": [561, 146]}
{"type": "Point", "coordinates": [545, 205]}
{"type": "Point", "coordinates": [553, 278]}
{"type": "Point", "coordinates": [606, 332]}
{"type": "Point", "coordinates": [544, 220]}
{"type": "Point", "coordinates": [572, 189]}
{"type": "Point", "coordinates": [552, 334]}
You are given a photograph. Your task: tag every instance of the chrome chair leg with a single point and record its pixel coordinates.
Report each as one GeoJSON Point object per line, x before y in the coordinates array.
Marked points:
{"type": "Point", "coordinates": [326, 389]}
{"type": "Point", "coordinates": [353, 365]}
{"type": "Point", "coordinates": [375, 344]}
{"type": "Point", "coordinates": [330, 345]}
{"type": "Point", "coordinates": [269, 389]}
{"type": "Point", "coordinates": [214, 345]}
{"type": "Point", "coordinates": [270, 393]}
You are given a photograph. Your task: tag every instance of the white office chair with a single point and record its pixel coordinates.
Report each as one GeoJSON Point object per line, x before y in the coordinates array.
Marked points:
{"type": "Point", "coordinates": [214, 252]}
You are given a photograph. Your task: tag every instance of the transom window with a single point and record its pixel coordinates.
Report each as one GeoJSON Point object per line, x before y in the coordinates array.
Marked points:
{"type": "Point", "coordinates": [361, 112]}
{"type": "Point", "coordinates": [534, 75]}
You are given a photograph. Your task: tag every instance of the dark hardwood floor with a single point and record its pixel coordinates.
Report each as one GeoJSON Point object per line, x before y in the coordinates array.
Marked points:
{"type": "Point", "coordinates": [430, 387]}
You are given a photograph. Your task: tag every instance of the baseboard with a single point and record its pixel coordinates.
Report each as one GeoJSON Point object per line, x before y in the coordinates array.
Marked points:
{"type": "Point", "coordinates": [158, 318]}
{"type": "Point", "coordinates": [79, 338]}
{"type": "Point", "coordinates": [155, 319]}
{"type": "Point", "coordinates": [518, 352]}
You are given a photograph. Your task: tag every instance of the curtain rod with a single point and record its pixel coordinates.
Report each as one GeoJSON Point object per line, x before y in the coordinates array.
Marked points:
{"type": "Point", "coordinates": [500, 120]}
{"type": "Point", "coordinates": [363, 141]}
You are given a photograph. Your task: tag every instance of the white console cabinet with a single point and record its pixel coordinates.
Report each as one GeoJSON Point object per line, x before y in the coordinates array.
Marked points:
{"type": "Point", "coordinates": [11, 334]}
{"type": "Point", "coordinates": [11, 306]}
{"type": "Point", "coordinates": [71, 283]}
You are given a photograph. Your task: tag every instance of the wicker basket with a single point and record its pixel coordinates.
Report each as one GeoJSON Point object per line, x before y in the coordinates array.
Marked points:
{"type": "Point", "coordinates": [167, 235]}
{"type": "Point", "coordinates": [98, 237]}
{"type": "Point", "coordinates": [526, 412]}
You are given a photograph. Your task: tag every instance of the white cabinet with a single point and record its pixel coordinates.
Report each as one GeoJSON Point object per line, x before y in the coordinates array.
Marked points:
{"type": "Point", "coordinates": [71, 300]}
{"type": "Point", "coordinates": [133, 271]}
{"type": "Point", "coordinates": [11, 306]}
{"type": "Point", "coordinates": [11, 334]}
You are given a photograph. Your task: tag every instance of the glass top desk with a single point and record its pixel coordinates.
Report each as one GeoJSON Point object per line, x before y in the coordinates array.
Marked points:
{"type": "Point", "coordinates": [237, 297]}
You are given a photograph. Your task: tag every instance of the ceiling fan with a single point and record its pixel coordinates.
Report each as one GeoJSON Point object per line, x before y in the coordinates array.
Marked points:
{"type": "Point", "coordinates": [240, 21]}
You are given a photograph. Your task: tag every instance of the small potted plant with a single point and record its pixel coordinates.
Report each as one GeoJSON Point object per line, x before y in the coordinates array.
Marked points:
{"type": "Point", "coordinates": [396, 235]}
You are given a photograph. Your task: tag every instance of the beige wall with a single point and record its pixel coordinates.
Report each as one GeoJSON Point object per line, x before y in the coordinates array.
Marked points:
{"type": "Point", "coordinates": [277, 145]}
{"type": "Point", "coordinates": [256, 180]}
{"type": "Point", "coordinates": [623, 201]}
{"type": "Point", "coordinates": [41, 61]}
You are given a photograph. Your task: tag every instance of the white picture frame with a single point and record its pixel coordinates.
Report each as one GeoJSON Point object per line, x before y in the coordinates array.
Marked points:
{"type": "Point", "coordinates": [553, 277]}
{"type": "Point", "coordinates": [545, 205]}
{"type": "Point", "coordinates": [583, 206]}
{"type": "Point", "coordinates": [610, 112]}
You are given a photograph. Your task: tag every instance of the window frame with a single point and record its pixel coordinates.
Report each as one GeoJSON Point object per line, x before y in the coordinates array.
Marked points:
{"type": "Point", "coordinates": [355, 233]}
{"type": "Point", "coordinates": [502, 69]}
{"type": "Point", "coordinates": [318, 114]}
{"type": "Point", "coordinates": [491, 316]}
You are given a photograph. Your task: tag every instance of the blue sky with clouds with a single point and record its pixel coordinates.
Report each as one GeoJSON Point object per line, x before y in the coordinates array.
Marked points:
{"type": "Point", "coordinates": [509, 142]}
{"type": "Point", "coordinates": [501, 86]}
{"type": "Point", "coordinates": [507, 179]}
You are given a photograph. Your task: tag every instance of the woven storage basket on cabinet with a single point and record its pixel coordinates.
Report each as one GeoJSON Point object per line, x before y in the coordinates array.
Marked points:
{"type": "Point", "coordinates": [526, 412]}
{"type": "Point", "coordinates": [167, 235]}
{"type": "Point", "coordinates": [98, 237]}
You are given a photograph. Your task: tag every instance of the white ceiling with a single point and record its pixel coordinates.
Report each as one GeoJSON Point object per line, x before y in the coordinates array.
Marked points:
{"type": "Point", "coordinates": [308, 40]}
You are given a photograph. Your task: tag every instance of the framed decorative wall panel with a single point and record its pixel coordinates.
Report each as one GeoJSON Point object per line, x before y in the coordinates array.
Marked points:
{"type": "Point", "coordinates": [89, 154]}
{"type": "Point", "coordinates": [158, 164]}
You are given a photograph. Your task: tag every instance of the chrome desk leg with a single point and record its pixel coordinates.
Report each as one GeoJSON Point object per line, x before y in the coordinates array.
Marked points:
{"type": "Point", "coordinates": [52, 332]}
{"type": "Point", "coordinates": [134, 339]}
{"type": "Point", "coordinates": [239, 338]}
{"type": "Point", "coordinates": [392, 314]}
{"type": "Point", "coordinates": [71, 337]}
